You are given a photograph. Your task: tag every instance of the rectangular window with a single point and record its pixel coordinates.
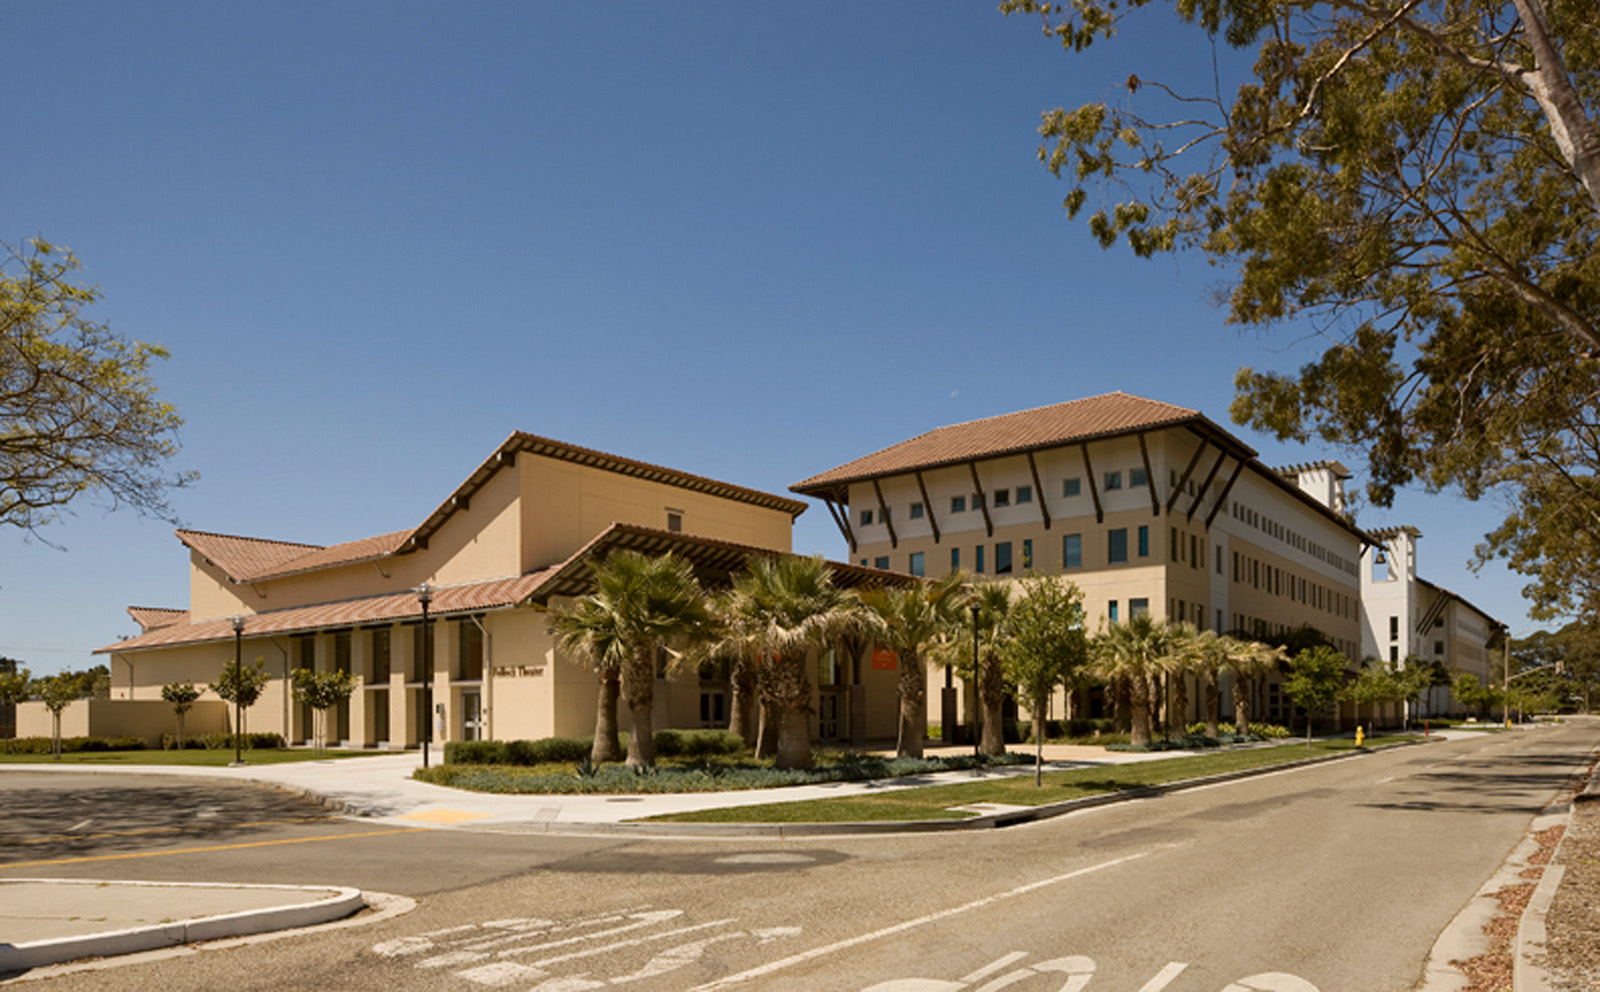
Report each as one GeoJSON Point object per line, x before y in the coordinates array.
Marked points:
{"type": "Point", "coordinates": [1219, 621]}
{"type": "Point", "coordinates": [675, 520]}
{"type": "Point", "coordinates": [917, 567]}
{"type": "Point", "coordinates": [419, 655]}
{"type": "Point", "coordinates": [1071, 487]}
{"type": "Point", "coordinates": [1144, 543]}
{"type": "Point", "coordinates": [955, 559]}
{"type": "Point", "coordinates": [1394, 654]}
{"type": "Point", "coordinates": [1236, 566]}
{"type": "Point", "coordinates": [1172, 542]}
{"type": "Point", "coordinates": [306, 648]}
{"type": "Point", "coordinates": [1027, 554]}
{"type": "Point", "coordinates": [1438, 647]}
{"type": "Point", "coordinates": [1002, 558]}
{"type": "Point", "coordinates": [882, 562]}
{"type": "Point", "coordinates": [977, 558]}
{"type": "Point", "coordinates": [1072, 551]}
{"type": "Point", "coordinates": [1024, 494]}
{"type": "Point", "coordinates": [1138, 608]}
{"type": "Point", "coordinates": [1117, 545]}
{"type": "Point", "coordinates": [1113, 481]}
{"type": "Point", "coordinates": [471, 642]}
{"type": "Point", "coordinates": [866, 517]}
{"type": "Point", "coordinates": [1194, 552]}
{"type": "Point", "coordinates": [1394, 628]}
{"type": "Point", "coordinates": [958, 504]}
{"type": "Point", "coordinates": [341, 652]}
{"type": "Point", "coordinates": [1002, 497]}
{"type": "Point", "coordinates": [1136, 478]}
{"type": "Point", "coordinates": [1111, 611]}
{"type": "Point", "coordinates": [1219, 559]}
{"type": "Point", "coordinates": [380, 655]}
{"type": "Point", "coordinates": [916, 511]}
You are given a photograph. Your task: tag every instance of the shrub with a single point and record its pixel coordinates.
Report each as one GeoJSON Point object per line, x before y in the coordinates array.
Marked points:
{"type": "Point", "coordinates": [697, 743]}
{"type": "Point", "coordinates": [70, 745]}
{"type": "Point", "coordinates": [222, 741]}
{"type": "Point", "coordinates": [1268, 731]}
{"type": "Point", "coordinates": [547, 750]}
{"type": "Point", "coordinates": [475, 752]}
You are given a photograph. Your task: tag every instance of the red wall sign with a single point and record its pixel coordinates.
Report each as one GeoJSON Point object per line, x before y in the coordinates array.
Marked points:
{"type": "Point", "coordinates": [884, 659]}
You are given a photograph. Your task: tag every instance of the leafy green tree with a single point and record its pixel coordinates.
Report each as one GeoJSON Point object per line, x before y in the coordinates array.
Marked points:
{"type": "Point", "coordinates": [321, 691]}
{"type": "Point", "coordinates": [1474, 693]}
{"type": "Point", "coordinates": [640, 605]}
{"type": "Point", "coordinates": [1374, 684]}
{"type": "Point", "coordinates": [16, 686]}
{"type": "Point", "coordinates": [1316, 678]}
{"type": "Point", "coordinates": [1132, 652]}
{"type": "Point", "coordinates": [912, 620]}
{"type": "Point", "coordinates": [241, 684]}
{"type": "Point", "coordinates": [78, 411]}
{"type": "Point", "coordinates": [1046, 648]}
{"type": "Point", "coordinates": [57, 692]}
{"type": "Point", "coordinates": [182, 696]}
{"type": "Point", "coordinates": [1421, 182]}
{"type": "Point", "coordinates": [786, 610]}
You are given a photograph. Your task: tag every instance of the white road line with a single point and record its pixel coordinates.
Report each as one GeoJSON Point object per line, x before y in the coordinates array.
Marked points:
{"type": "Point", "coordinates": [79, 826]}
{"type": "Point", "coordinates": [818, 952]}
{"type": "Point", "coordinates": [1164, 977]}
{"type": "Point", "coordinates": [1380, 781]}
{"type": "Point", "coordinates": [994, 966]}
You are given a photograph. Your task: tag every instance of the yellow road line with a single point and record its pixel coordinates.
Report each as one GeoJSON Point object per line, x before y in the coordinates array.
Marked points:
{"type": "Point", "coordinates": [201, 828]}
{"type": "Point", "coordinates": [217, 847]}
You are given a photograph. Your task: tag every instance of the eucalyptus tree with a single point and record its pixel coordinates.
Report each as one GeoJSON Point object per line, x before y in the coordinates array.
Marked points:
{"type": "Point", "coordinates": [913, 620]}
{"type": "Point", "coordinates": [780, 612]}
{"type": "Point", "coordinates": [1046, 648]}
{"type": "Point", "coordinates": [640, 605]}
{"type": "Point", "coordinates": [1132, 651]}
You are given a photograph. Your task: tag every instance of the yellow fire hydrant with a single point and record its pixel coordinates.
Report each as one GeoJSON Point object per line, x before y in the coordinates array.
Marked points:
{"type": "Point", "coordinates": [1360, 736]}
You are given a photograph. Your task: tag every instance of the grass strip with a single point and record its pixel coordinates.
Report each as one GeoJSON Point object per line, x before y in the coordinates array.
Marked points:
{"type": "Point", "coordinates": [194, 757]}
{"type": "Point", "coordinates": [934, 802]}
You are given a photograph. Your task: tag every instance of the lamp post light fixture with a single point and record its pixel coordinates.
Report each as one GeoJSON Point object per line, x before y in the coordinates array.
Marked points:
{"type": "Point", "coordinates": [424, 597]}
{"type": "Point", "coordinates": [977, 690]}
{"type": "Point", "coordinates": [238, 691]}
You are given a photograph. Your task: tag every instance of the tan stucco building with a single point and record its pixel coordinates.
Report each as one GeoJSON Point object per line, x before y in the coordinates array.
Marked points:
{"type": "Point", "coordinates": [1148, 507]}
{"type": "Point", "coordinates": [515, 538]}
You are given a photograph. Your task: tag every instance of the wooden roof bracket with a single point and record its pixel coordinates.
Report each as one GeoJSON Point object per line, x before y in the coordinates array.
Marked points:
{"type": "Point", "coordinates": [1094, 490]}
{"type": "Point", "coordinates": [1222, 497]}
{"type": "Point", "coordinates": [1187, 471]}
{"type": "Point", "coordinates": [1039, 490]}
{"type": "Point", "coordinates": [983, 500]}
{"type": "Point", "coordinates": [841, 519]}
{"type": "Point", "coordinates": [1204, 486]}
{"type": "Point", "coordinates": [927, 506]}
{"type": "Point", "coordinates": [883, 508]}
{"type": "Point", "coordinates": [1149, 478]}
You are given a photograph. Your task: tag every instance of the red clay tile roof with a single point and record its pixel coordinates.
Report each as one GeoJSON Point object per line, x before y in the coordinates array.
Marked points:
{"type": "Point", "coordinates": [151, 617]}
{"type": "Point", "coordinates": [251, 559]}
{"type": "Point", "coordinates": [715, 560]}
{"type": "Point", "coordinates": [1012, 433]}
{"type": "Point", "coordinates": [388, 608]}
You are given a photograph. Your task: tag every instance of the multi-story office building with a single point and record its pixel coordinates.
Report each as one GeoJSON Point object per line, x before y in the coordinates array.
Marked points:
{"type": "Point", "coordinates": [1146, 506]}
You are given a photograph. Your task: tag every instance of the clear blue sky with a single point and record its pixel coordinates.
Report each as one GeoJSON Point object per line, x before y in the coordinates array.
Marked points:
{"type": "Point", "coordinates": [751, 241]}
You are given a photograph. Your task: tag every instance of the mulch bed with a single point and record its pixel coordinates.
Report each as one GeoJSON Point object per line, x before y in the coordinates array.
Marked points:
{"type": "Point", "coordinates": [1573, 954]}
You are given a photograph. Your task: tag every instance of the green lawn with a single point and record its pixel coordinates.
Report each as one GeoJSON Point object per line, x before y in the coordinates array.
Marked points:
{"type": "Point", "coordinates": [193, 757]}
{"type": "Point", "coordinates": [934, 802]}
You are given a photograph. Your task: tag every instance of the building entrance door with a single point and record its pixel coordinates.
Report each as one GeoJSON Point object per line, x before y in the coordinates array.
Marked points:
{"type": "Point", "coordinates": [471, 715]}
{"type": "Point", "coordinates": [830, 710]}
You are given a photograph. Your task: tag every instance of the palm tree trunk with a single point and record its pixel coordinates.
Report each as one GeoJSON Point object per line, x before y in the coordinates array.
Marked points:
{"type": "Point", "coordinates": [739, 685]}
{"type": "Point", "coordinates": [992, 693]}
{"type": "Point", "coordinates": [641, 743]}
{"type": "Point", "coordinates": [766, 729]}
{"type": "Point", "coordinates": [1119, 705]}
{"type": "Point", "coordinates": [606, 746]}
{"type": "Point", "coordinates": [913, 706]}
{"type": "Point", "coordinates": [1139, 711]}
{"type": "Point", "coordinates": [794, 738]}
{"type": "Point", "coordinates": [1241, 705]}
{"type": "Point", "coordinates": [1213, 703]}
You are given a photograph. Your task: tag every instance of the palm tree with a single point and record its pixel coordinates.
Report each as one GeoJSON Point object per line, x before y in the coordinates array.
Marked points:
{"type": "Point", "coordinates": [993, 600]}
{"type": "Point", "coordinates": [1184, 655]}
{"type": "Point", "coordinates": [913, 619]}
{"type": "Point", "coordinates": [1132, 652]}
{"type": "Point", "coordinates": [1246, 660]}
{"type": "Point", "coordinates": [777, 613]}
{"type": "Point", "coordinates": [640, 604]}
{"type": "Point", "coordinates": [1207, 653]}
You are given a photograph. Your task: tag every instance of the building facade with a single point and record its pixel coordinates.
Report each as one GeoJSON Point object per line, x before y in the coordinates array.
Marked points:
{"type": "Point", "coordinates": [516, 538]}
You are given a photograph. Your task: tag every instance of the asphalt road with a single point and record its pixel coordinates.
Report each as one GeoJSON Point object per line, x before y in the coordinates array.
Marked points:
{"type": "Point", "coordinates": [1335, 877]}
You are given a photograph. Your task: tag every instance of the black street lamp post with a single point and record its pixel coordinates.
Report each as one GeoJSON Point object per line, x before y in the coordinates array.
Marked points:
{"type": "Point", "coordinates": [425, 596]}
{"type": "Point", "coordinates": [238, 690]}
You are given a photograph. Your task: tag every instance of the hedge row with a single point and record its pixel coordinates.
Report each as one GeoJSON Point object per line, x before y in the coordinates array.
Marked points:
{"type": "Point", "coordinates": [69, 745]}
{"type": "Point", "coordinates": [222, 741]}
{"type": "Point", "coordinates": [552, 750]}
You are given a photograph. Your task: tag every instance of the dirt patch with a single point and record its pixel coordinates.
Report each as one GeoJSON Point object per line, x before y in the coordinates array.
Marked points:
{"type": "Point", "coordinates": [1573, 951]}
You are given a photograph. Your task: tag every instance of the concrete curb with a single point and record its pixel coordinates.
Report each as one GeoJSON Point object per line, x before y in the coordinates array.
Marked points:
{"type": "Point", "coordinates": [987, 821]}
{"type": "Point", "coordinates": [333, 903]}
